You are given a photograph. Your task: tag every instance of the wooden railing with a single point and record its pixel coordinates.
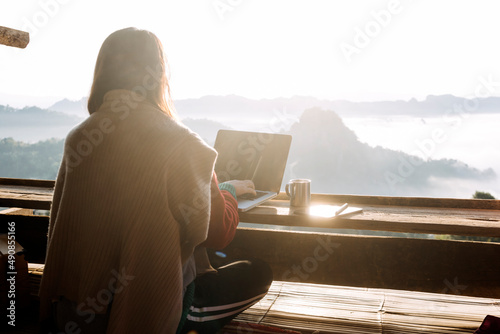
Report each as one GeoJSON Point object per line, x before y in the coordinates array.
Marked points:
{"type": "Point", "coordinates": [324, 256]}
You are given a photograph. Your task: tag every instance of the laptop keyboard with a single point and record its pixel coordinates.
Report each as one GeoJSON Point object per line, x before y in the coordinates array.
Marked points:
{"type": "Point", "coordinates": [252, 196]}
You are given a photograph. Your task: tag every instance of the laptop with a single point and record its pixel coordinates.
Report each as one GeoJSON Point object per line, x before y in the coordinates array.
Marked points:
{"type": "Point", "coordinates": [257, 156]}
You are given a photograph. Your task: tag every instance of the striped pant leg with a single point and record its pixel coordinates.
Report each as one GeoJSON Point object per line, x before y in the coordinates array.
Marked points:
{"type": "Point", "coordinates": [220, 296]}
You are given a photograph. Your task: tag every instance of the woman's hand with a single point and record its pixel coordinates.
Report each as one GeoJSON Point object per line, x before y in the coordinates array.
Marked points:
{"type": "Point", "coordinates": [243, 187]}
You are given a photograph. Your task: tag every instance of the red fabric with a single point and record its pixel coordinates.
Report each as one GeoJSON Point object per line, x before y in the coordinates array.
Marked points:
{"type": "Point", "coordinates": [224, 218]}
{"type": "Point", "coordinates": [490, 325]}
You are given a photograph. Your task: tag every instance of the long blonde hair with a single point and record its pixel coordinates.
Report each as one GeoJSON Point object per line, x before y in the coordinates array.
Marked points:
{"type": "Point", "coordinates": [131, 58]}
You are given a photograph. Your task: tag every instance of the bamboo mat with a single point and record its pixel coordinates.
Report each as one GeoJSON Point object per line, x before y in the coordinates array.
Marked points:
{"type": "Point", "coordinates": [310, 308]}
{"type": "Point", "coordinates": [315, 308]}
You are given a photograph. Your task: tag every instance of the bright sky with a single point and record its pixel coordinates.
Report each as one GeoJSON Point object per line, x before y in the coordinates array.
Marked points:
{"type": "Point", "coordinates": [357, 50]}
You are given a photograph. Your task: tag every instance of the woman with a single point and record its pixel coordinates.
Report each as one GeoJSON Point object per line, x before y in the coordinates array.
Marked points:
{"type": "Point", "coordinates": [134, 197]}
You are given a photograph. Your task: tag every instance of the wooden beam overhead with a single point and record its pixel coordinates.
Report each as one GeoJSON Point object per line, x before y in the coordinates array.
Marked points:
{"type": "Point", "coordinates": [13, 37]}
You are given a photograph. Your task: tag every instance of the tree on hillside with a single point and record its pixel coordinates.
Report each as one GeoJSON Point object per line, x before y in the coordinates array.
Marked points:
{"type": "Point", "coordinates": [482, 195]}
{"type": "Point", "coordinates": [40, 160]}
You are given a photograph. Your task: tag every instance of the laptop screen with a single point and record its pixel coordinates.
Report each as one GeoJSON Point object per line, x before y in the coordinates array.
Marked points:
{"type": "Point", "coordinates": [260, 157]}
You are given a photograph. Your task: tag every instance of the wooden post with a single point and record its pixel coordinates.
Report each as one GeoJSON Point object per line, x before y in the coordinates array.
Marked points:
{"type": "Point", "coordinates": [15, 38]}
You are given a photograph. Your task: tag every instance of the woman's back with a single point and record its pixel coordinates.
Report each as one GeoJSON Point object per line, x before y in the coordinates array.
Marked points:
{"type": "Point", "coordinates": [117, 220]}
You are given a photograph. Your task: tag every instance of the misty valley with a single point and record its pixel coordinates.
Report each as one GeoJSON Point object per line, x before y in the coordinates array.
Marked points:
{"type": "Point", "coordinates": [342, 148]}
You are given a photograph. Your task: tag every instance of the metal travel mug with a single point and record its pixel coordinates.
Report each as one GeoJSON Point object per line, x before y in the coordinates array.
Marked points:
{"type": "Point", "coordinates": [299, 191]}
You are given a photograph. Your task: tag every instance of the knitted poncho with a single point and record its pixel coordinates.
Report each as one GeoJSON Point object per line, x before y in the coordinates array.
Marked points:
{"type": "Point", "coordinates": [132, 200]}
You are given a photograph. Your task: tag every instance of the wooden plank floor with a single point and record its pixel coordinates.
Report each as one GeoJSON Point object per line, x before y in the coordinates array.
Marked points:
{"type": "Point", "coordinates": [317, 308]}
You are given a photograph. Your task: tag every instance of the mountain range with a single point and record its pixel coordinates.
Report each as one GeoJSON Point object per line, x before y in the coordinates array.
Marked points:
{"type": "Point", "coordinates": [327, 152]}
{"type": "Point", "coordinates": [233, 105]}
{"type": "Point", "coordinates": [323, 148]}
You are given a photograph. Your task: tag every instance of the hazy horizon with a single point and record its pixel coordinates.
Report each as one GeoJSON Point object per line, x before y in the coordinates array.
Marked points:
{"type": "Point", "coordinates": [44, 102]}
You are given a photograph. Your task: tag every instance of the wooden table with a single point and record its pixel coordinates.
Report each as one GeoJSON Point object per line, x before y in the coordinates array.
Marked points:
{"type": "Point", "coordinates": [405, 215]}
{"type": "Point", "coordinates": [24, 193]}
{"type": "Point", "coordinates": [393, 214]}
